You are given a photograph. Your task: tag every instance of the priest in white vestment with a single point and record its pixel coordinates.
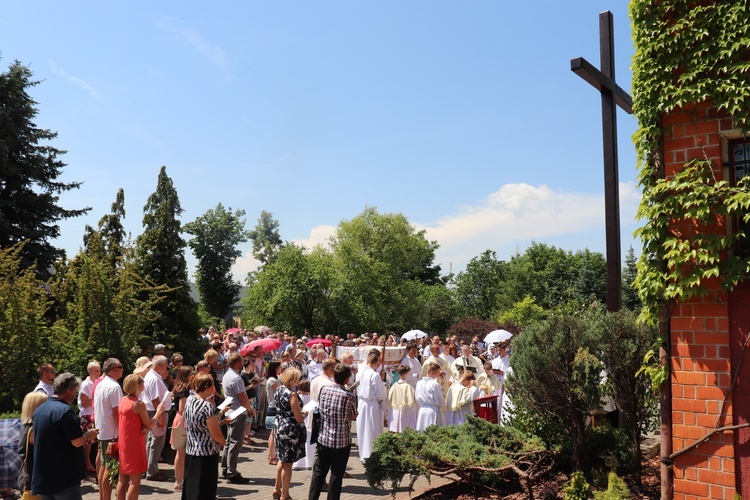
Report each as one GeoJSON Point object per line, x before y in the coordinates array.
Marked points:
{"type": "Point", "coordinates": [371, 394]}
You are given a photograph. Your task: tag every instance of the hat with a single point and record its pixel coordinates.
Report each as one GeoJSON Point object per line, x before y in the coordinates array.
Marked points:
{"type": "Point", "coordinates": [142, 365]}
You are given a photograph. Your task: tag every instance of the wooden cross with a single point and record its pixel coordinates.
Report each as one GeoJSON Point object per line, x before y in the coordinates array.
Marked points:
{"type": "Point", "coordinates": [612, 96]}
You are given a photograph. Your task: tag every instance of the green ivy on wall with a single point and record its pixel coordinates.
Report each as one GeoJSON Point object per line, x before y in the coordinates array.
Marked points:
{"type": "Point", "coordinates": [688, 53]}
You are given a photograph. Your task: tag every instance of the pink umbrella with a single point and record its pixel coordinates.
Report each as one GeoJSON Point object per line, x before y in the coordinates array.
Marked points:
{"type": "Point", "coordinates": [232, 330]}
{"type": "Point", "coordinates": [325, 342]}
{"type": "Point", "coordinates": [267, 345]}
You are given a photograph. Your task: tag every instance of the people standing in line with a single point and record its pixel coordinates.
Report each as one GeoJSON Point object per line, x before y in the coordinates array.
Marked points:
{"type": "Point", "coordinates": [402, 402]}
{"type": "Point", "coordinates": [372, 395]}
{"type": "Point", "coordinates": [152, 396]}
{"type": "Point", "coordinates": [289, 431]}
{"type": "Point", "coordinates": [107, 398]}
{"type": "Point", "coordinates": [46, 375]}
{"type": "Point", "coordinates": [337, 407]}
{"type": "Point", "coordinates": [429, 396]}
{"type": "Point", "coordinates": [133, 419]}
{"type": "Point", "coordinates": [58, 443]}
{"type": "Point", "coordinates": [272, 385]}
{"type": "Point", "coordinates": [31, 402]}
{"type": "Point", "coordinates": [234, 387]}
{"type": "Point", "coordinates": [183, 378]}
{"type": "Point", "coordinates": [204, 441]}
{"type": "Point", "coordinates": [86, 409]}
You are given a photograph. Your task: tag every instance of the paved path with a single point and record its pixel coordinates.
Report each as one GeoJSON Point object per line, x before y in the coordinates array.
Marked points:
{"type": "Point", "coordinates": [253, 464]}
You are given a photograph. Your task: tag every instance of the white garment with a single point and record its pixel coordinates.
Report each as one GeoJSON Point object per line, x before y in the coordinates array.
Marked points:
{"type": "Point", "coordinates": [317, 385]}
{"type": "Point", "coordinates": [415, 375]}
{"type": "Point", "coordinates": [459, 403]}
{"type": "Point", "coordinates": [430, 398]}
{"type": "Point", "coordinates": [306, 462]}
{"type": "Point", "coordinates": [371, 393]}
{"type": "Point", "coordinates": [154, 387]}
{"type": "Point", "coordinates": [450, 359]}
{"type": "Point", "coordinates": [45, 388]}
{"type": "Point", "coordinates": [314, 370]}
{"type": "Point", "coordinates": [106, 397]}
{"type": "Point", "coordinates": [401, 418]}
{"type": "Point", "coordinates": [87, 386]}
{"type": "Point", "coordinates": [471, 361]}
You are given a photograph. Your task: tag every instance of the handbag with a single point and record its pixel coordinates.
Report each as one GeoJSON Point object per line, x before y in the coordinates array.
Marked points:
{"type": "Point", "coordinates": [315, 429]}
{"type": "Point", "coordinates": [27, 495]}
{"type": "Point", "coordinates": [113, 450]}
{"type": "Point", "coordinates": [179, 435]}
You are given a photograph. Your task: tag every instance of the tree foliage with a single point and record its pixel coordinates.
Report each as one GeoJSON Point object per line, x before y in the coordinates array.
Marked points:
{"type": "Point", "coordinates": [478, 288]}
{"type": "Point", "coordinates": [556, 377]}
{"type": "Point", "coordinates": [160, 258]}
{"type": "Point", "coordinates": [216, 235]}
{"type": "Point", "coordinates": [24, 301]}
{"type": "Point", "coordinates": [688, 54]}
{"type": "Point", "coordinates": [29, 184]}
{"type": "Point", "coordinates": [265, 237]}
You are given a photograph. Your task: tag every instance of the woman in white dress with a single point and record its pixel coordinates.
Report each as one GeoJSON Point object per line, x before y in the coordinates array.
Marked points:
{"type": "Point", "coordinates": [371, 394]}
{"type": "Point", "coordinates": [429, 395]}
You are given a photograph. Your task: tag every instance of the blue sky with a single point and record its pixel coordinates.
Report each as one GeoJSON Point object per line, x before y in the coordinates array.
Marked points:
{"type": "Point", "coordinates": [463, 116]}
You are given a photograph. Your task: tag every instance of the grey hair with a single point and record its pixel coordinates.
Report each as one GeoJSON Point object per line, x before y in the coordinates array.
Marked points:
{"type": "Point", "coordinates": [159, 360]}
{"type": "Point", "coordinates": [64, 382]}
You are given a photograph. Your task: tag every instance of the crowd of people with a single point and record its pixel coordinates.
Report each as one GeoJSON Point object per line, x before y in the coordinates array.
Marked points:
{"type": "Point", "coordinates": [219, 403]}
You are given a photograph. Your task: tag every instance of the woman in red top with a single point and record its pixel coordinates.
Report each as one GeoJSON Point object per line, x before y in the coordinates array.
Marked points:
{"type": "Point", "coordinates": [133, 424]}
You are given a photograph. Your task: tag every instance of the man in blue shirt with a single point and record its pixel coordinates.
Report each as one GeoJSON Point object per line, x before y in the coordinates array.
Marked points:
{"type": "Point", "coordinates": [58, 443]}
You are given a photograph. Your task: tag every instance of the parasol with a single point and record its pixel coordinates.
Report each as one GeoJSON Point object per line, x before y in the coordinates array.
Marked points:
{"type": "Point", "coordinates": [413, 335]}
{"type": "Point", "coordinates": [325, 342]}
{"type": "Point", "coordinates": [497, 336]}
{"type": "Point", "coordinates": [268, 345]}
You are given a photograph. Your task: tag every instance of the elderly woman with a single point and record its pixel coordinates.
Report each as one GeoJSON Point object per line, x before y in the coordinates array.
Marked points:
{"type": "Point", "coordinates": [31, 402]}
{"type": "Point", "coordinates": [133, 423]}
{"type": "Point", "coordinates": [289, 431]}
{"type": "Point", "coordinates": [204, 441]}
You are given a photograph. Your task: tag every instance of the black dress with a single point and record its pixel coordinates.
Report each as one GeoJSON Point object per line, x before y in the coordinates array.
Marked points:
{"type": "Point", "coordinates": [290, 435]}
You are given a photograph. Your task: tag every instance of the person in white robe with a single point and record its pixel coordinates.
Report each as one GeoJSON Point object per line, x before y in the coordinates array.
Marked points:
{"type": "Point", "coordinates": [371, 394]}
{"type": "Point", "coordinates": [467, 362]}
{"type": "Point", "coordinates": [412, 362]}
{"type": "Point", "coordinates": [402, 402]}
{"type": "Point", "coordinates": [489, 384]}
{"type": "Point", "coordinates": [429, 396]}
{"type": "Point", "coordinates": [444, 378]}
{"type": "Point", "coordinates": [501, 366]}
{"type": "Point", "coordinates": [460, 399]}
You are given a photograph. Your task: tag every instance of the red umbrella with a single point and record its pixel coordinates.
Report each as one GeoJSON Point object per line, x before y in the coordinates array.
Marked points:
{"type": "Point", "coordinates": [267, 345]}
{"type": "Point", "coordinates": [325, 342]}
{"type": "Point", "coordinates": [232, 330]}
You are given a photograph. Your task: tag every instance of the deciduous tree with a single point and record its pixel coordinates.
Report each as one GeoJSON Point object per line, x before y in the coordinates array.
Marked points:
{"type": "Point", "coordinates": [216, 235]}
{"type": "Point", "coordinates": [265, 237]}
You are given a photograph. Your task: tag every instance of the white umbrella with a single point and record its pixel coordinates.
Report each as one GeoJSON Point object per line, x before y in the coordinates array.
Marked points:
{"type": "Point", "coordinates": [413, 335]}
{"type": "Point", "coordinates": [497, 336]}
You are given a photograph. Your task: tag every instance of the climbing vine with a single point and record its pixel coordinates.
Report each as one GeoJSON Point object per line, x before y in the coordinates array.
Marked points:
{"type": "Point", "coordinates": [689, 53]}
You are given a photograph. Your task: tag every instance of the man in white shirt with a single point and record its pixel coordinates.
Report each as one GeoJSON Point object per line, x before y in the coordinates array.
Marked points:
{"type": "Point", "coordinates": [46, 376]}
{"type": "Point", "coordinates": [322, 380]}
{"type": "Point", "coordinates": [107, 398]}
{"type": "Point", "coordinates": [316, 365]}
{"type": "Point", "coordinates": [153, 394]}
{"type": "Point", "coordinates": [415, 375]}
{"type": "Point", "coordinates": [86, 407]}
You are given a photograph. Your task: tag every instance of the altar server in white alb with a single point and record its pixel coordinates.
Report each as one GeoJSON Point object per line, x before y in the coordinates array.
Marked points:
{"type": "Point", "coordinates": [460, 399]}
{"type": "Point", "coordinates": [412, 362]}
{"type": "Point", "coordinates": [372, 394]}
{"type": "Point", "coordinates": [501, 366]}
{"type": "Point", "coordinates": [429, 396]}
{"type": "Point", "coordinates": [402, 402]}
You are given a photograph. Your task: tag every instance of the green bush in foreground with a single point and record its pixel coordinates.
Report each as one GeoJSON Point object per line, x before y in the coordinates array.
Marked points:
{"type": "Point", "coordinates": [477, 452]}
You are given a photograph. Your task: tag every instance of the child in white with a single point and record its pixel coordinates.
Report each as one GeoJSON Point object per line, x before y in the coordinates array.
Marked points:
{"type": "Point", "coordinates": [460, 397]}
{"type": "Point", "coordinates": [402, 402]}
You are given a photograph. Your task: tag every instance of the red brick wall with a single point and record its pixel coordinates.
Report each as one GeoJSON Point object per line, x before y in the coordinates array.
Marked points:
{"type": "Point", "coordinates": [700, 336]}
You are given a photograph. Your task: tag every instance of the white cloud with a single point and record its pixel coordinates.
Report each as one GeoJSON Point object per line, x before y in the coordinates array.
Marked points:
{"type": "Point", "coordinates": [319, 235]}
{"type": "Point", "coordinates": [518, 213]}
{"type": "Point", "coordinates": [244, 265]}
{"type": "Point", "coordinates": [213, 53]}
{"type": "Point", "coordinates": [79, 82]}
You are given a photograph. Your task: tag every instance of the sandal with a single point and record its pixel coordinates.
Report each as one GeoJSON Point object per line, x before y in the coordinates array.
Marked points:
{"type": "Point", "coordinates": [178, 486]}
{"type": "Point", "coordinates": [273, 461]}
{"type": "Point", "coordinates": [276, 495]}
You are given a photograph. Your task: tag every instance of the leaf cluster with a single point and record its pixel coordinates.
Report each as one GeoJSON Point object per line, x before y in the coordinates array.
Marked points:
{"type": "Point", "coordinates": [688, 53]}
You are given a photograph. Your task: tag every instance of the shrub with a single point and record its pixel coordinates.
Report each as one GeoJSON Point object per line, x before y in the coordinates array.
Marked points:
{"type": "Point", "coordinates": [616, 489]}
{"type": "Point", "coordinates": [578, 488]}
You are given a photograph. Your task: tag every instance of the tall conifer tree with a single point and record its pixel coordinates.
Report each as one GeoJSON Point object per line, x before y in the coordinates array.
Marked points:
{"type": "Point", "coordinates": [29, 171]}
{"type": "Point", "coordinates": [160, 257]}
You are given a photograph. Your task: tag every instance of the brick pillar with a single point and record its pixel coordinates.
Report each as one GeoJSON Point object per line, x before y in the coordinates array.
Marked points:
{"type": "Point", "coordinates": [705, 350]}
